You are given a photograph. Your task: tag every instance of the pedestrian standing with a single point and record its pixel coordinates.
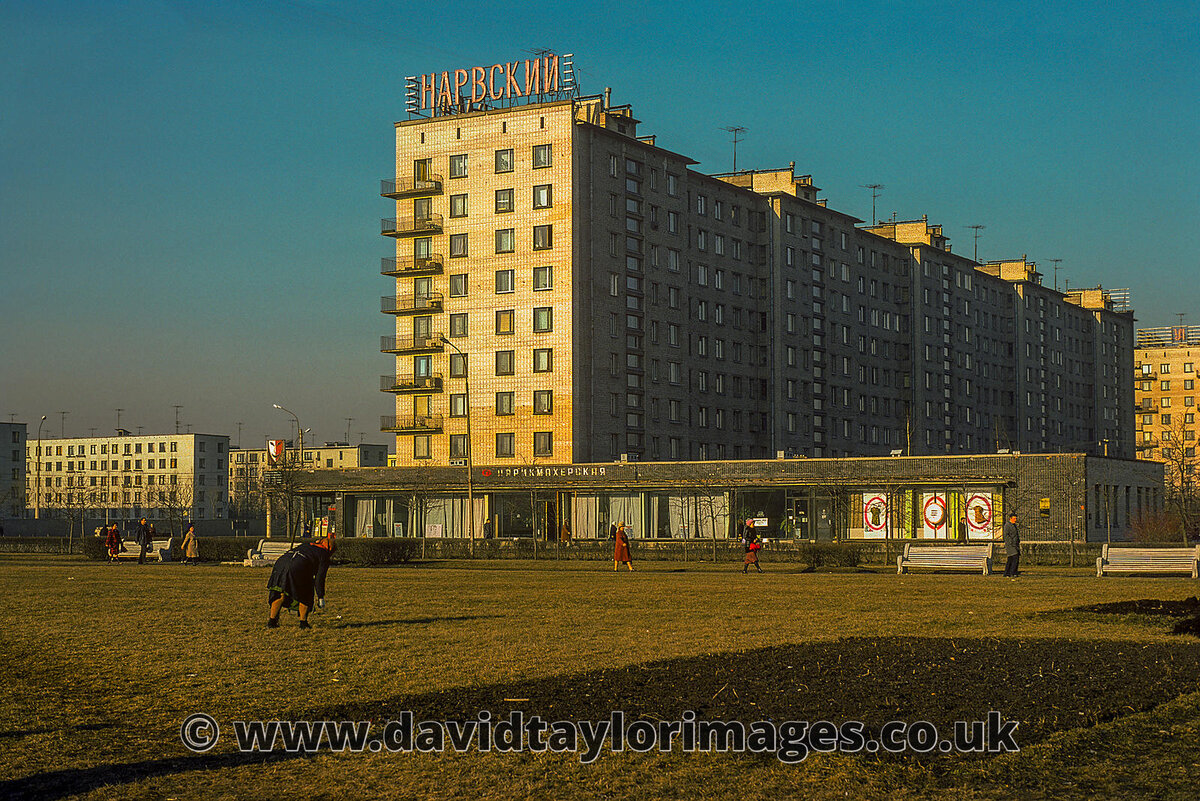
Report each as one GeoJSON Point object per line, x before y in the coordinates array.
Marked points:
{"type": "Point", "coordinates": [191, 547]}
{"type": "Point", "coordinates": [621, 554]}
{"type": "Point", "coordinates": [1012, 547]}
{"type": "Point", "coordinates": [143, 539]}
{"type": "Point", "coordinates": [752, 546]}
{"type": "Point", "coordinates": [112, 541]}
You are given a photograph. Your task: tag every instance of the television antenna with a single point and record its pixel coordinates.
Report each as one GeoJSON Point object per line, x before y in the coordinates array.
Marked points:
{"type": "Point", "coordinates": [1055, 262]}
{"type": "Point", "coordinates": [737, 131]}
{"type": "Point", "coordinates": [977, 229]}
{"type": "Point", "coordinates": [874, 194]}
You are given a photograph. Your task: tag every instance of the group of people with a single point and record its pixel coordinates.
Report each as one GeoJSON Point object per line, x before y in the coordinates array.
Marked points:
{"type": "Point", "coordinates": [144, 536]}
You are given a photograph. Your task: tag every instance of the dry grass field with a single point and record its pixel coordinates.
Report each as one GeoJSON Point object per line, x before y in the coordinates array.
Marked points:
{"type": "Point", "coordinates": [102, 664]}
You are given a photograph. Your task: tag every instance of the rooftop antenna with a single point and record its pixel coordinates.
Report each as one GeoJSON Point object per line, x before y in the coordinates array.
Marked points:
{"type": "Point", "coordinates": [177, 408]}
{"type": "Point", "coordinates": [1055, 262]}
{"type": "Point", "coordinates": [1181, 315]}
{"type": "Point", "coordinates": [874, 194]}
{"type": "Point", "coordinates": [977, 229]}
{"type": "Point", "coordinates": [737, 131]}
{"type": "Point", "coordinates": [62, 430]}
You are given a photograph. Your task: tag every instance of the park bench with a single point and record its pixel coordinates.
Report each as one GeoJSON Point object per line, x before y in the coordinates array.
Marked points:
{"type": "Point", "coordinates": [159, 549]}
{"type": "Point", "coordinates": [1149, 560]}
{"type": "Point", "coordinates": [266, 552]}
{"type": "Point", "coordinates": [946, 557]}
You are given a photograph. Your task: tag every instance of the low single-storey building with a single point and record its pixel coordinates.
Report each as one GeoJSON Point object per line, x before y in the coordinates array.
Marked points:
{"type": "Point", "coordinates": [1057, 496]}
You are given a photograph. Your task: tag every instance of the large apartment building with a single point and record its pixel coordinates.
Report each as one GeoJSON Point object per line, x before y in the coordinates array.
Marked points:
{"type": "Point", "coordinates": [129, 476]}
{"type": "Point", "coordinates": [1165, 383]}
{"type": "Point", "coordinates": [12, 469]}
{"type": "Point", "coordinates": [603, 300]}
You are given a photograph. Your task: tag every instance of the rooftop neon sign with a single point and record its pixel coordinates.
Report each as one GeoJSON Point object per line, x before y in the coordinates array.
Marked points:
{"type": "Point", "coordinates": [474, 88]}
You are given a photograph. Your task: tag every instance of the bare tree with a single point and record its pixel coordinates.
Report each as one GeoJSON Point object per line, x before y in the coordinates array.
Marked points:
{"type": "Point", "coordinates": [1180, 471]}
{"type": "Point", "coordinates": [177, 500]}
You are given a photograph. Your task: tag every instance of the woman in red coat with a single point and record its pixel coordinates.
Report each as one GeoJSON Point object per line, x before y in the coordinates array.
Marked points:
{"type": "Point", "coordinates": [621, 548]}
{"type": "Point", "coordinates": [112, 541]}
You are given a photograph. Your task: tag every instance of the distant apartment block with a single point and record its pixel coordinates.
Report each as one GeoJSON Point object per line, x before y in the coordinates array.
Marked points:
{"type": "Point", "coordinates": [247, 465]}
{"type": "Point", "coordinates": [1165, 383]}
{"type": "Point", "coordinates": [12, 469]}
{"type": "Point", "coordinates": [123, 477]}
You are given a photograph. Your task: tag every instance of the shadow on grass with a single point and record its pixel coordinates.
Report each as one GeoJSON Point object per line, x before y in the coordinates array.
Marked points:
{"type": "Point", "coordinates": [73, 781]}
{"type": "Point", "coordinates": [1048, 685]}
{"type": "Point", "coordinates": [412, 621]}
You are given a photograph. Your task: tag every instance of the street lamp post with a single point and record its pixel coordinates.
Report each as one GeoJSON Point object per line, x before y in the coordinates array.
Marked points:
{"type": "Point", "coordinates": [37, 509]}
{"type": "Point", "coordinates": [300, 458]}
{"type": "Point", "coordinates": [470, 470]}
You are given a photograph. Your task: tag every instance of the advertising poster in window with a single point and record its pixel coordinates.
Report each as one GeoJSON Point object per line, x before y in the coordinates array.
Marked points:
{"type": "Point", "coordinates": [933, 515]}
{"type": "Point", "coordinates": [980, 507]}
{"type": "Point", "coordinates": [876, 515]}
{"type": "Point", "coordinates": [274, 452]}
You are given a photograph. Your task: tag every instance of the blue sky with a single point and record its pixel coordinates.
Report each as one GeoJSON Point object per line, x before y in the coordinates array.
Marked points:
{"type": "Point", "coordinates": [188, 207]}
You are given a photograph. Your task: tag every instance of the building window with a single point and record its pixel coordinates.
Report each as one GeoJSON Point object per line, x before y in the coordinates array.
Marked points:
{"type": "Point", "coordinates": [543, 360]}
{"type": "Point", "coordinates": [504, 362]}
{"type": "Point", "coordinates": [543, 156]}
{"type": "Point", "coordinates": [542, 197]}
{"type": "Point", "coordinates": [504, 281]}
{"type": "Point", "coordinates": [543, 278]}
{"type": "Point", "coordinates": [505, 240]}
{"type": "Point", "coordinates": [504, 445]}
{"type": "Point", "coordinates": [458, 285]}
{"type": "Point", "coordinates": [458, 324]}
{"type": "Point", "coordinates": [542, 319]}
{"type": "Point", "coordinates": [543, 401]}
{"type": "Point", "coordinates": [458, 446]}
{"type": "Point", "coordinates": [458, 245]}
{"type": "Point", "coordinates": [458, 365]}
{"type": "Point", "coordinates": [504, 403]}
{"type": "Point", "coordinates": [458, 405]}
{"type": "Point", "coordinates": [421, 446]}
{"type": "Point", "coordinates": [504, 321]}
{"type": "Point", "coordinates": [672, 185]}
{"type": "Point", "coordinates": [504, 201]}
{"type": "Point", "coordinates": [543, 237]}
{"type": "Point", "coordinates": [504, 160]}
{"type": "Point", "coordinates": [458, 205]}
{"type": "Point", "coordinates": [543, 444]}
{"type": "Point", "coordinates": [458, 166]}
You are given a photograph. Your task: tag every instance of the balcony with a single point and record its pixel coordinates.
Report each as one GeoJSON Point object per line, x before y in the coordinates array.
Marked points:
{"type": "Point", "coordinates": [400, 227]}
{"type": "Point", "coordinates": [412, 266]}
{"type": "Point", "coordinates": [1146, 407]}
{"type": "Point", "coordinates": [411, 383]}
{"type": "Point", "coordinates": [416, 343]}
{"type": "Point", "coordinates": [417, 304]}
{"type": "Point", "coordinates": [411, 187]}
{"type": "Point", "coordinates": [411, 425]}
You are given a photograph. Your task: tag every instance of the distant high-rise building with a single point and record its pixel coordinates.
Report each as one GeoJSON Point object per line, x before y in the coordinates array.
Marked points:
{"type": "Point", "coordinates": [1165, 382]}
{"type": "Point", "coordinates": [12, 469]}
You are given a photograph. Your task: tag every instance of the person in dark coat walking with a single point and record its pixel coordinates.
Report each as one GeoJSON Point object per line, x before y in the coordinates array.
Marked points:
{"type": "Point", "coordinates": [1012, 547]}
{"type": "Point", "coordinates": [752, 547]}
{"type": "Point", "coordinates": [298, 577]}
{"type": "Point", "coordinates": [145, 540]}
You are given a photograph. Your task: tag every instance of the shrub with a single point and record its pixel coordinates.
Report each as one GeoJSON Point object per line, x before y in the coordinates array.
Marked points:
{"type": "Point", "coordinates": [1156, 527]}
{"type": "Point", "coordinates": [376, 551]}
{"type": "Point", "coordinates": [94, 548]}
{"type": "Point", "coordinates": [830, 554]}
